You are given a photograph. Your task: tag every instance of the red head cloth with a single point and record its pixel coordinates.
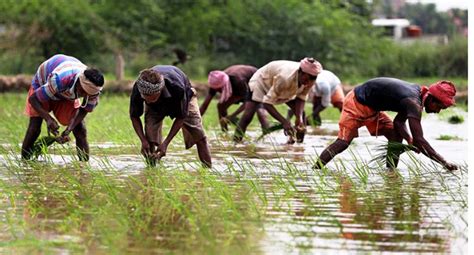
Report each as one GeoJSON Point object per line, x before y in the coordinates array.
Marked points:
{"type": "Point", "coordinates": [444, 91]}
{"type": "Point", "coordinates": [311, 66]}
{"type": "Point", "coordinates": [219, 79]}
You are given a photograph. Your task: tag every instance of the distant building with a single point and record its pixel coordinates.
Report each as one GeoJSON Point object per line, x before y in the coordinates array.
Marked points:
{"type": "Point", "coordinates": [395, 28]}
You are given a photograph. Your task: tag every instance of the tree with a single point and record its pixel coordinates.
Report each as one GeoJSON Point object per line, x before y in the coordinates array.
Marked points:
{"type": "Point", "coordinates": [66, 26]}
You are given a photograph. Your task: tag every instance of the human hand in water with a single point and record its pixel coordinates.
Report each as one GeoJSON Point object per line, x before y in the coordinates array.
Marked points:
{"type": "Point", "coordinates": [161, 152]}
{"type": "Point", "coordinates": [450, 167]}
{"type": "Point", "coordinates": [53, 126]}
{"type": "Point", "coordinates": [64, 138]}
{"type": "Point", "coordinates": [288, 129]}
{"type": "Point", "coordinates": [146, 148]}
{"type": "Point", "coordinates": [224, 123]}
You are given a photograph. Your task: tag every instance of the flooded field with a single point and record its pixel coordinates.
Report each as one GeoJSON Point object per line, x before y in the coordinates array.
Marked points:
{"type": "Point", "coordinates": [259, 198]}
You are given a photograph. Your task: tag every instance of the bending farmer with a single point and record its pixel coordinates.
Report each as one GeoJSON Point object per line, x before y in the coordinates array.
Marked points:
{"type": "Point", "coordinates": [364, 106]}
{"type": "Point", "coordinates": [327, 89]}
{"type": "Point", "coordinates": [166, 91]}
{"type": "Point", "coordinates": [56, 87]}
{"type": "Point", "coordinates": [232, 84]}
{"type": "Point", "coordinates": [279, 82]}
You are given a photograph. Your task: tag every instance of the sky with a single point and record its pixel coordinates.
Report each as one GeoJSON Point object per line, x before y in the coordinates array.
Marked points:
{"type": "Point", "coordinates": [443, 5]}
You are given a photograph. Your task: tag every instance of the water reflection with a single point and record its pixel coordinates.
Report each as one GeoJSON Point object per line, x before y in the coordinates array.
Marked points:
{"type": "Point", "coordinates": [392, 214]}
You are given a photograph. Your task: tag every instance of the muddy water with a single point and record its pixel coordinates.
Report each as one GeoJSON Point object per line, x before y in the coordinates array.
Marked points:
{"type": "Point", "coordinates": [422, 211]}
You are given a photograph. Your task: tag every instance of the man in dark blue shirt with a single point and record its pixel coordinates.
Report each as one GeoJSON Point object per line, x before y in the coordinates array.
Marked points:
{"type": "Point", "coordinates": [166, 91]}
{"type": "Point", "coordinates": [364, 106]}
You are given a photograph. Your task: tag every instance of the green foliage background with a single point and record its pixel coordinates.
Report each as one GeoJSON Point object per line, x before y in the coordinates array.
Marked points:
{"type": "Point", "coordinates": [217, 33]}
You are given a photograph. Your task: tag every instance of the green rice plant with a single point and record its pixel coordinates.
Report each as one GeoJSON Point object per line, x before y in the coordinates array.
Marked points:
{"type": "Point", "coordinates": [269, 130]}
{"type": "Point", "coordinates": [106, 209]}
{"type": "Point", "coordinates": [41, 145]}
{"type": "Point", "coordinates": [456, 119]}
{"type": "Point", "coordinates": [449, 138]}
{"type": "Point", "coordinates": [391, 150]}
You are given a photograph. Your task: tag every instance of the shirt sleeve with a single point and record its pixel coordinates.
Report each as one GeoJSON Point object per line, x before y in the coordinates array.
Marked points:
{"type": "Point", "coordinates": [52, 86]}
{"type": "Point", "coordinates": [412, 108]}
{"type": "Point", "coordinates": [136, 103]}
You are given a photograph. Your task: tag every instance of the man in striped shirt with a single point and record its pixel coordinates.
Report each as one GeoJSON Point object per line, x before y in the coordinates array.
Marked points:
{"type": "Point", "coordinates": [56, 87]}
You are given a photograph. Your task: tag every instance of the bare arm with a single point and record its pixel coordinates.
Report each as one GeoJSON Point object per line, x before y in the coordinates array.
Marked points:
{"type": "Point", "coordinates": [177, 125]}
{"type": "Point", "coordinates": [420, 142]}
{"type": "Point", "coordinates": [238, 111]}
{"type": "Point", "coordinates": [138, 127]}
{"type": "Point", "coordinates": [274, 113]}
{"type": "Point", "coordinates": [78, 117]}
{"type": "Point", "coordinates": [146, 149]}
{"type": "Point", "coordinates": [317, 106]}
{"type": "Point", "coordinates": [222, 107]}
{"type": "Point", "coordinates": [401, 128]}
{"type": "Point", "coordinates": [298, 110]}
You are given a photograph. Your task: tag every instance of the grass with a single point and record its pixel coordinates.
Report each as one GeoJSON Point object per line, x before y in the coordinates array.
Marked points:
{"type": "Point", "coordinates": [456, 119]}
{"type": "Point", "coordinates": [238, 207]}
{"type": "Point", "coordinates": [449, 138]}
{"type": "Point", "coordinates": [460, 82]}
{"type": "Point", "coordinates": [110, 121]}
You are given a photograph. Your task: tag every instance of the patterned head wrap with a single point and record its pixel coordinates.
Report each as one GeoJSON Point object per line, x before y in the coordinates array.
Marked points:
{"type": "Point", "coordinates": [147, 88]}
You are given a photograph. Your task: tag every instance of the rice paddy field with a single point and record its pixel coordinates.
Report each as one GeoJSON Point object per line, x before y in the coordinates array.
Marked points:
{"type": "Point", "coordinates": [260, 197]}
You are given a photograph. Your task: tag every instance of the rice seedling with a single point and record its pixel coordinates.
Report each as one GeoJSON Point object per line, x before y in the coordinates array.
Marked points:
{"type": "Point", "coordinates": [449, 138]}
{"type": "Point", "coordinates": [456, 119]}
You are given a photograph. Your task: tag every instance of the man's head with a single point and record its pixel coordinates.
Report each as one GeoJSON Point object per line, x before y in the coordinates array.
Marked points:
{"type": "Point", "coordinates": [217, 79]}
{"type": "Point", "coordinates": [308, 71]}
{"type": "Point", "coordinates": [91, 82]}
{"type": "Point", "coordinates": [150, 83]}
{"type": "Point", "coordinates": [440, 96]}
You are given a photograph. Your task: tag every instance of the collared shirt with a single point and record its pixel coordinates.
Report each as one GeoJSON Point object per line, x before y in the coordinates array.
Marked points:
{"type": "Point", "coordinates": [390, 94]}
{"type": "Point", "coordinates": [277, 82]}
{"type": "Point", "coordinates": [174, 98]}
{"type": "Point", "coordinates": [325, 85]}
{"type": "Point", "coordinates": [239, 76]}
{"type": "Point", "coordinates": [56, 80]}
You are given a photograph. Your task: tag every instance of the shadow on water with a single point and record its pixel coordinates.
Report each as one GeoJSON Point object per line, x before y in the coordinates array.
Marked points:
{"type": "Point", "coordinates": [259, 198]}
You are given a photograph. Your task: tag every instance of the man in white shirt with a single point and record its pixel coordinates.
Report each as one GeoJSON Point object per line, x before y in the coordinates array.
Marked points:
{"type": "Point", "coordinates": [327, 89]}
{"type": "Point", "coordinates": [280, 82]}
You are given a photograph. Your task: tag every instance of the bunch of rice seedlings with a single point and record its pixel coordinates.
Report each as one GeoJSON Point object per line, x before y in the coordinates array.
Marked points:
{"type": "Point", "coordinates": [391, 150]}
{"type": "Point", "coordinates": [41, 145]}
{"type": "Point", "coordinates": [298, 136]}
{"type": "Point", "coordinates": [269, 130]}
{"type": "Point", "coordinates": [234, 120]}
{"type": "Point", "coordinates": [456, 119]}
